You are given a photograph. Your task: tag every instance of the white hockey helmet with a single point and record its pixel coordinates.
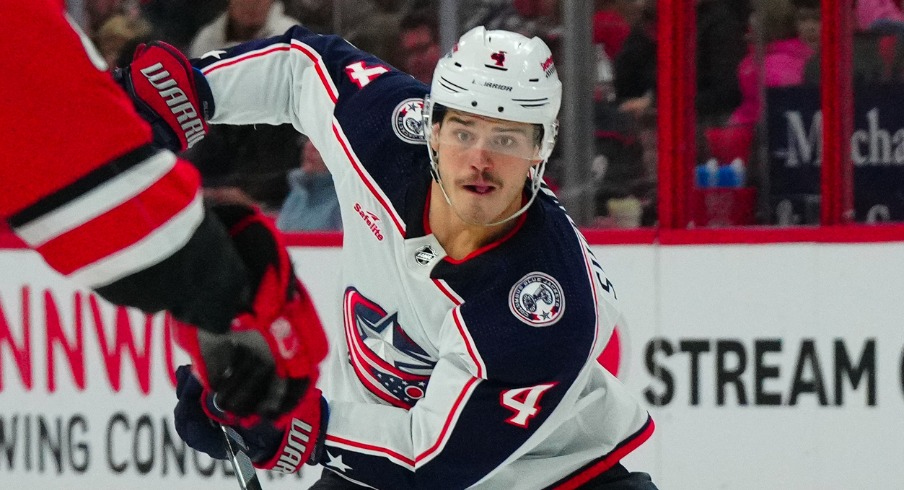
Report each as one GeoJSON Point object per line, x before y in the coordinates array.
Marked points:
{"type": "Point", "coordinates": [501, 75]}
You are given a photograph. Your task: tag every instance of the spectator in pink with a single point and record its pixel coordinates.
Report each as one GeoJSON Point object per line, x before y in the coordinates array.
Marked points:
{"type": "Point", "coordinates": [784, 61]}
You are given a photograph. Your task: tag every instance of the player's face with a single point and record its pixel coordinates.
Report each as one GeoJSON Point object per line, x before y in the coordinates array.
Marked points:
{"type": "Point", "coordinates": [484, 163]}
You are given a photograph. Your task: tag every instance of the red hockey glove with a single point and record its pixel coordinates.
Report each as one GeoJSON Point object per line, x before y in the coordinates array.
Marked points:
{"type": "Point", "coordinates": [269, 359]}
{"type": "Point", "coordinates": [169, 94]}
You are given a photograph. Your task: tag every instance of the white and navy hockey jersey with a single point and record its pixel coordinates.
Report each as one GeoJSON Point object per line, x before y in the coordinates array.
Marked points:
{"type": "Point", "coordinates": [473, 373]}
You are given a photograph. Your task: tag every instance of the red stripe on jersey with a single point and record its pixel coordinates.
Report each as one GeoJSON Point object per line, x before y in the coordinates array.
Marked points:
{"type": "Point", "coordinates": [447, 291]}
{"type": "Point", "coordinates": [492, 245]}
{"type": "Point", "coordinates": [310, 53]}
{"type": "Point", "coordinates": [367, 182]}
{"type": "Point", "coordinates": [469, 342]}
{"type": "Point", "coordinates": [324, 79]}
{"type": "Point", "coordinates": [370, 447]}
{"type": "Point", "coordinates": [318, 65]}
{"type": "Point", "coordinates": [591, 278]}
{"type": "Point", "coordinates": [334, 97]}
{"type": "Point", "coordinates": [456, 407]}
{"type": "Point", "coordinates": [609, 460]}
{"type": "Point", "coordinates": [256, 54]}
{"type": "Point", "coordinates": [125, 224]}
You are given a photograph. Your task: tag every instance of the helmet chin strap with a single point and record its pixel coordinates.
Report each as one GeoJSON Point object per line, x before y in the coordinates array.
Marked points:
{"type": "Point", "coordinates": [535, 187]}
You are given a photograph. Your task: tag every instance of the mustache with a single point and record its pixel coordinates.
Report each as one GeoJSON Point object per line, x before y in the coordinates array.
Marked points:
{"type": "Point", "coordinates": [484, 177]}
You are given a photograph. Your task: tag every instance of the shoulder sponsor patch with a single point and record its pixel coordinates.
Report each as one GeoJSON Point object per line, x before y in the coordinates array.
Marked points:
{"type": "Point", "coordinates": [537, 300]}
{"type": "Point", "coordinates": [408, 121]}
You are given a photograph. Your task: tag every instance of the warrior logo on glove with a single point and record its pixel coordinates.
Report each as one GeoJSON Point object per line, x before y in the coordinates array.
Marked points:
{"type": "Point", "coordinates": [191, 123]}
{"type": "Point", "coordinates": [169, 94]}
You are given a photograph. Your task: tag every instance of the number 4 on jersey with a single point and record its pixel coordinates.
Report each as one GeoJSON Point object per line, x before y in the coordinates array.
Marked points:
{"type": "Point", "coordinates": [362, 74]}
{"type": "Point", "coordinates": [525, 402]}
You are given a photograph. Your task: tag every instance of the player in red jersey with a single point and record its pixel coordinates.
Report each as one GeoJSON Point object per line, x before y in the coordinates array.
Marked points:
{"type": "Point", "coordinates": [85, 185]}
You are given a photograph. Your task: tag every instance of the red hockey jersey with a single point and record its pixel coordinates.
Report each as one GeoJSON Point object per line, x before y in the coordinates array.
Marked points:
{"type": "Point", "coordinates": [80, 182]}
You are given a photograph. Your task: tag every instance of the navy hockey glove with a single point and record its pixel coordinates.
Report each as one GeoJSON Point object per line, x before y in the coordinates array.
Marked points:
{"type": "Point", "coordinates": [269, 447]}
{"type": "Point", "coordinates": [169, 94]}
{"type": "Point", "coordinates": [270, 358]}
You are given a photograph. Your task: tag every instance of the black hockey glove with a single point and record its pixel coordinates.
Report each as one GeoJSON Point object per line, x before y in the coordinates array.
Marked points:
{"type": "Point", "coordinates": [271, 448]}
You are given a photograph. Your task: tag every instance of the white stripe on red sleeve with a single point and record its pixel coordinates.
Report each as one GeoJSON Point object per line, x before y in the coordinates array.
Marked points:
{"type": "Point", "coordinates": [152, 249]}
{"type": "Point", "coordinates": [97, 202]}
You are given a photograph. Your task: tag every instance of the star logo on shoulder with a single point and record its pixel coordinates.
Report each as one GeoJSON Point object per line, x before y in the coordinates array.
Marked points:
{"type": "Point", "coordinates": [336, 463]}
{"type": "Point", "coordinates": [215, 53]}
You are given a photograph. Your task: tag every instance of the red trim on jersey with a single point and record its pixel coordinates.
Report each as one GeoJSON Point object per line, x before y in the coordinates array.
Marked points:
{"type": "Point", "coordinates": [367, 182]}
{"type": "Point", "coordinates": [609, 460]}
{"type": "Point", "coordinates": [124, 225]}
{"type": "Point", "coordinates": [468, 388]}
{"type": "Point", "coordinates": [700, 236]}
{"type": "Point", "coordinates": [247, 56]}
{"type": "Point", "coordinates": [492, 245]}
{"type": "Point", "coordinates": [591, 276]}
{"type": "Point", "coordinates": [483, 249]}
{"type": "Point", "coordinates": [426, 217]}
{"type": "Point", "coordinates": [370, 447]}
{"type": "Point", "coordinates": [317, 61]}
{"type": "Point", "coordinates": [469, 342]}
{"type": "Point", "coordinates": [447, 291]}
{"type": "Point", "coordinates": [318, 65]}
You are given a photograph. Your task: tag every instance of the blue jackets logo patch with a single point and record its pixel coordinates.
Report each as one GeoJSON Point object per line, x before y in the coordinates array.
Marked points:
{"type": "Point", "coordinates": [408, 121]}
{"type": "Point", "coordinates": [387, 362]}
{"type": "Point", "coordinates": [537, 300]}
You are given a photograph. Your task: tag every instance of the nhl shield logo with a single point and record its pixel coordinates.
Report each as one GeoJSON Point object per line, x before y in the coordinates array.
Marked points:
{"type": "Point", "coordinates": [424, 255]}
{"type": "Point", "coordinates": [408, 121]}
{"type": "Point", "coordinates": [537, 300]}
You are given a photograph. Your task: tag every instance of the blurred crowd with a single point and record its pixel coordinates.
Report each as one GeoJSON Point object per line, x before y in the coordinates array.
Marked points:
{"type": "Point", "coordinates": [742, 48]}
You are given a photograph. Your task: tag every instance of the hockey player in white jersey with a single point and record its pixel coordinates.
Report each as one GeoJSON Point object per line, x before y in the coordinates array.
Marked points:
{"type": "Point", "coordinates": [474, 312]}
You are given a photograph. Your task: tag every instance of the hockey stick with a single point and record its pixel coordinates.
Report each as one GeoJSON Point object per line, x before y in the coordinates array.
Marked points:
{"type": "Point", "coordinates": [241, 463]}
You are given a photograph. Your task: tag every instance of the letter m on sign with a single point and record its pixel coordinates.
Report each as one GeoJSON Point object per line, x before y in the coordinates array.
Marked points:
{"type": "Point", "coordinates": [361, 74]}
